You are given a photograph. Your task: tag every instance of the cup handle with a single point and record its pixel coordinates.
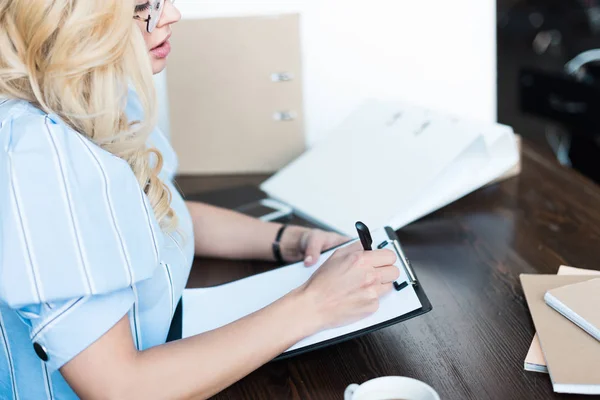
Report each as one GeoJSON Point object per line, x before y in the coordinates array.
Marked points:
{"type": "Point", "coordinates": [349, 392]}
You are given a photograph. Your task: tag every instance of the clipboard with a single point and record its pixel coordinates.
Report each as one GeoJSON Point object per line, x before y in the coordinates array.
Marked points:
{"type": "Point", "coordinates": [414, 283]}
{"type": "Point", "coordinates": [200, 314]}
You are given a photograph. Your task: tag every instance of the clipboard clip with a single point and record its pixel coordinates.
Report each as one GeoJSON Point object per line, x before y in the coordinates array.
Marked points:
{"type": "Point", "coordinates": [410, 274]}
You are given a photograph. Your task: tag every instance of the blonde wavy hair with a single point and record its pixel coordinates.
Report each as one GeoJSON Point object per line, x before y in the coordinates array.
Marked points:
{"type": "Point", "coordinates": [76, 58]}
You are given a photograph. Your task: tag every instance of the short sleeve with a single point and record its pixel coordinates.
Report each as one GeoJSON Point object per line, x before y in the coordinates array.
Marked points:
{"type": "Point", "coordinates": [76, 233]}
{"type": "Point", "coordinates": [60, 330]}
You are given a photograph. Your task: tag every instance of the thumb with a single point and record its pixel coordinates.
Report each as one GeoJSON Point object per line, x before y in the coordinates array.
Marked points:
{"type": "Point", "coordinates": [313, 250]}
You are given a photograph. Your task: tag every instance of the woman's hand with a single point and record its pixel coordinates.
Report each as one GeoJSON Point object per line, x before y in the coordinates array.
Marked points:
{"type": "Point", "coordinates": [347, 287]}
{"type": "Point", "coordinates": [299, 243]}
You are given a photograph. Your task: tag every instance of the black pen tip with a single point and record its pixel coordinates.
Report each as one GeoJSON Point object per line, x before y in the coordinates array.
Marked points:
{"type": "Point", "coordinates": [366, 234]}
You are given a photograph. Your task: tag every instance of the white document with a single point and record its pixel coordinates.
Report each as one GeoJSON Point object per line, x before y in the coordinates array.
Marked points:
{"type": "Point", "coordinates": [212, 308]}
{"type": "Point", "coordinates": [390, 164]}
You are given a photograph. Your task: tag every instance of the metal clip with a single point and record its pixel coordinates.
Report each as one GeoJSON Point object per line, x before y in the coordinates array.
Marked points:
{"type": "Point", "coordinates": [285, 116]}
{"type": "Point", "coordinates": [282, 76]}
{"type": "Point", "coordinates": [405, 263]}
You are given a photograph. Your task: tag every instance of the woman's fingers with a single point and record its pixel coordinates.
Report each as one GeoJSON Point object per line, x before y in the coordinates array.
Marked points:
{"type": "Point", "coordinates": [335, 240]}
{"type": "Point", "coordinates": [385, 288]}
{"type": "Point", "coordinates": [314, 247]}
{"type": "Point", "coordinates": [377, 258]}
{"type": "Point", "coordinates": [388, 274]}
{"type": "Point", "coordinates": [351, 248]}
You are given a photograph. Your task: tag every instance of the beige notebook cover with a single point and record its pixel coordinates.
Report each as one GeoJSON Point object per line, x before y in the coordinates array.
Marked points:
{"type": "Point", "coordinates": [580, 303]}
{"type": "Point", "coordinates": [535, 361]}
{"type": "Point", "coordinates": [571, 354]}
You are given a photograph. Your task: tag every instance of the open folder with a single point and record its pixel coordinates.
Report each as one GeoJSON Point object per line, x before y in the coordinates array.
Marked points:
{"type": "Point", "coordinates": [211, 308]}
{"type": "Point", "coordinates": [392, 163]}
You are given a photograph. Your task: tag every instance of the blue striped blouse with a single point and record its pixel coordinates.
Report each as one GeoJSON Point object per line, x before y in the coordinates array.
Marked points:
{"type": "Point", "coordinates": [79, 248]}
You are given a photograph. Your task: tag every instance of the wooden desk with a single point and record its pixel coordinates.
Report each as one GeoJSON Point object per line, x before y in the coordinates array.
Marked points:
{"type": "Point", "coordinates": [468, 256]}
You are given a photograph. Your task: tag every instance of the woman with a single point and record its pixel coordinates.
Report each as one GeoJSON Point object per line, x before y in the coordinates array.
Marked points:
{"type": "Point", "coordinates": [95, 242]}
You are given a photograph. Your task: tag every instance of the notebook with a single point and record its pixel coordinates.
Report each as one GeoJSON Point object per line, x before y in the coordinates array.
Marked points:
{"type": "Point", "coordinates": [535, 361]}
{"type": "Point", "coordinates": [580, 303]}
{"type": "Point", "coordinates": [211, 308]}
{"type": "Point", "coordinates": [571, 354]}
{"type": "Point", "coordinates": [436, 158]}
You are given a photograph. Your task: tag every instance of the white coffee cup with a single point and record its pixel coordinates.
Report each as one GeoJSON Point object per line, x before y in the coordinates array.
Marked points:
{"type": "Point", "coordinates": [391, 388]}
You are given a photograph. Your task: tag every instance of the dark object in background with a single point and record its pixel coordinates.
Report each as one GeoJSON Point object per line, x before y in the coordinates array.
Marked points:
{"type": "Point", "coordinates": [574, 104]}
{"type": "Point", "coordinates": [541, 36]}
{"type": "Point", "coordinates": [176, 328]}
{"type": "Point", "coordinates": [230, 198]}
{"type": "Point", "coordinates": [585, 156]}
{"type": "Point", "coordinates": [244, 199]}
{"type": "Point", "coordinates": [562, 99]}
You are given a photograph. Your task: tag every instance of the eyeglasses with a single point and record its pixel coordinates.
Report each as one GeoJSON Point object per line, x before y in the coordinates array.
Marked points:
{"type": "Point", "coordinates": [150, 13]}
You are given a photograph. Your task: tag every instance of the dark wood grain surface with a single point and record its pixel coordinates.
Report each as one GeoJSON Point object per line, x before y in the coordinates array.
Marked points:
{"type": "Point", "coordinates": [468, 256]}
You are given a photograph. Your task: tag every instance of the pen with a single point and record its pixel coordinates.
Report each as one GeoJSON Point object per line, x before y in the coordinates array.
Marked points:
{"type": "Point", "coordinates": [364, 235]}
{"type": "Point", "coordinates": [366, 240]}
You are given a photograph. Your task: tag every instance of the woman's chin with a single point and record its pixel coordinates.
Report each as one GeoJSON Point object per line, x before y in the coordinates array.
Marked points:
{"type": "Point", "coordinates": [158, 65]}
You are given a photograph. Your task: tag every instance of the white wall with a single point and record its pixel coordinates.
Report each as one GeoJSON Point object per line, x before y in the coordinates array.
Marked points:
{"type": "Point", "coordinates": [437, 53]}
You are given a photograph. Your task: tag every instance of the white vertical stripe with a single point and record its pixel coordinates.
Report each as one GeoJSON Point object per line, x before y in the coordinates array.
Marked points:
{"type": "Point", "coordinates": [136, 319]}
{"type": "Point", "coordinates": [111, 210]}
{"type": "Point", "coordinates": [133, 327]}
{"type": "Point", "coordinates": [65, 309]}
{"type": "Point", "coordinates": [47, 382]}
{"type": "Point", "coordinates": [161, 135]}
{"type": "Point", "coordinates": [178, 246]}
{"type": "Point", "coordinates": [171, 290]}
{"type": "Point", "coordinates": [151, 226]}
{"type": "Point", "coordinates": [87, 280]}
{"type": "Point", "coordinates": [4, 337]}
{"type": "Point", "coordinates": [32, 270]}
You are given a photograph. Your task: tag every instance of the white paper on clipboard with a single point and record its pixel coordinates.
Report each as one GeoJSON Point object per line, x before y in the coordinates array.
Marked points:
{"type": "Point", "coordinates": [211, 308]}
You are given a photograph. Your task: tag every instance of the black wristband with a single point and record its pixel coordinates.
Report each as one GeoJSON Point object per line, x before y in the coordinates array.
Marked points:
{"type": "Point", "coordinates": [277, 245]}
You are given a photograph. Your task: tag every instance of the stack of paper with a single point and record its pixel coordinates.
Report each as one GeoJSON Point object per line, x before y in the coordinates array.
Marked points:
{"type": "Point", "coordinates": [390, 164]}
{"type": "Point", "coordinates": [570, 352]}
